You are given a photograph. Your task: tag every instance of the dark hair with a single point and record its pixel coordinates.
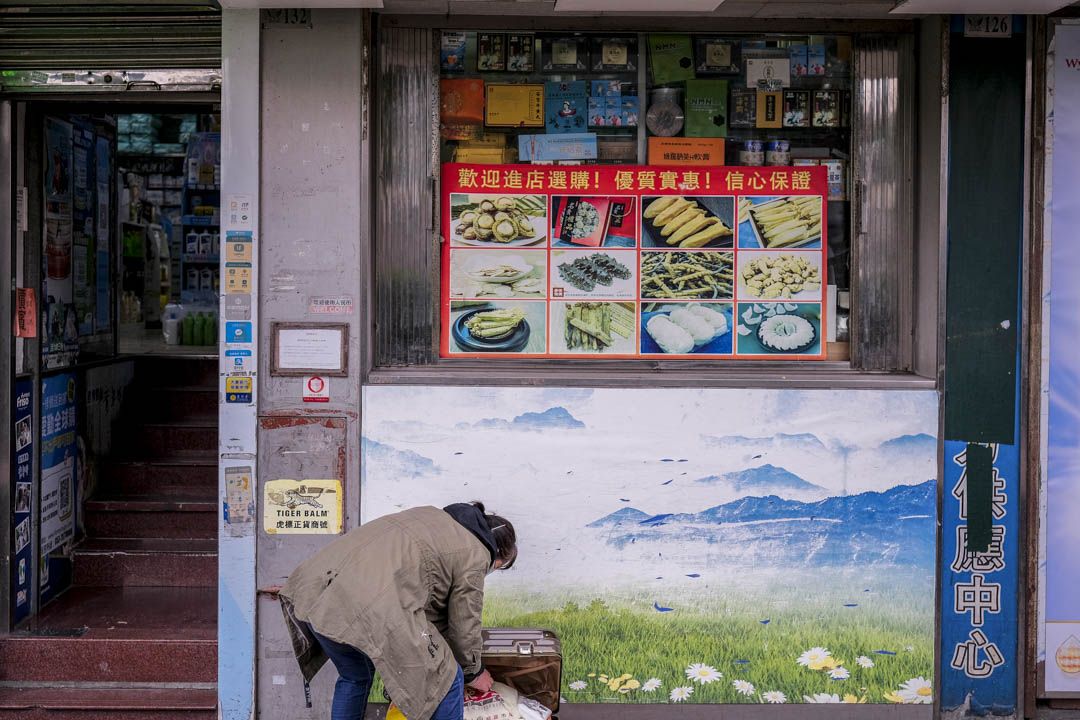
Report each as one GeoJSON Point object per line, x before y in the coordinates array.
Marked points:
{"type": "Point", "coordinates": [505, 537]}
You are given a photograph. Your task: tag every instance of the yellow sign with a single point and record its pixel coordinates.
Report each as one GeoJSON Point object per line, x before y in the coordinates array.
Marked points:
{"type": "Point", "coordinates": [302, 507]}
{"type": "Point", "coordinates": [237, 280]}
{"type": "Point", "coordinates": [238, 251]}
{"type": "Point", "coordinates": [238, 385]}
{"type": "Point", "coordinates": [514, 105]}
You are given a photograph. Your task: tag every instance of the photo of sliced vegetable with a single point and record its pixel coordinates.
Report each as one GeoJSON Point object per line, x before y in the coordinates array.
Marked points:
{"type": "Point", "coordinates": [681, 221]}
{"type": "Point", "coordinates": [698, 328]}
{"type": "Point", "coordinates": [497, 220]}
{"type": "Point", "coordinates": [687, 275]}
{"type": "Point", "coordinates": [780, 222]}
{"type": "Point", "coordinates": [476, 273]}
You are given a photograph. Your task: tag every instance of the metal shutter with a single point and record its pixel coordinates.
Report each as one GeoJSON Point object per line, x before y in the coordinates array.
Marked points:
{"type": "Point", "coordinates": [86, 36]}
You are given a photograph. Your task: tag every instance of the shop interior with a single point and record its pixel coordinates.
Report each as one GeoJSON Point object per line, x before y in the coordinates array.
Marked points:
{"type": "Point", "coordinates": [119, 252]}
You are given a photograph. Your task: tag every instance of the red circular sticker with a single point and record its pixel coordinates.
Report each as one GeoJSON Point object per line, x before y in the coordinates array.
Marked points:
{"type": "Point", "coordinates": [316, 384]}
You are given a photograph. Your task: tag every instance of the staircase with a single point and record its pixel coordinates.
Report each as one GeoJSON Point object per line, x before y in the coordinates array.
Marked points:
{"type": "Point", "coordinates": [136, 635]}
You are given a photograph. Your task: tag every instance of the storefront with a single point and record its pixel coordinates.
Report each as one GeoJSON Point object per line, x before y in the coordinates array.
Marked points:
{"type": "Point", "coordinates": [735, 317]}
{"type": "Point", "coordinates": [672, 296]}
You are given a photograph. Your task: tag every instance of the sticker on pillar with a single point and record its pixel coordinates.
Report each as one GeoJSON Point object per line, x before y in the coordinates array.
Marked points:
{"type": "Point", "coordinates": [237, 362]}
{"type": "Point", "coordinates": [316, 389]}
{"type": "Point", "coordinates": [237, 332]}
{"type": "Point", "coordinates": [331, 305]}
{"type": "Point", "coordinates": [238, 389]}
{"type": "Point", "coordinates": [302, 507]}
{"type": "Point", "coordinates": [237, 278]}
{"type": "Point", "coordinates": [237, 307]}
{"type": "Point", "coordinates": [238, 212]}
{"type": "Point", "coordinates": [238, 247]}
{"type": "Point", "coordinates": [239, 506]}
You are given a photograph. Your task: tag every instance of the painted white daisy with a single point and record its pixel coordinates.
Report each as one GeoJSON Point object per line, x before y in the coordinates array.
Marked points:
{"type": "Point", "coordinates": [916, 691]}
{"type": "Point", "coordinates": [703, 674]}
{"type": "Point", "coordinates": [774, 696]}
{"type": "Point", "coordinates": [578, 685]}
{"type": "Point", "coordinates": [744, 687]}
{"type": "Point", "coordinates": [813, 655]}
{"type": "Point", "coordinates": [864, 661]}
{"type": "Point", "coordinates": [821, 698]}
{"type": "Point", "coordinates": [839, 673]}
{"type": "Point", "coordinates": [910, 648]}
{"type": "Point", "coordinates": [651, 684]}
{"type": "Point", "coordinates": [681, 693]}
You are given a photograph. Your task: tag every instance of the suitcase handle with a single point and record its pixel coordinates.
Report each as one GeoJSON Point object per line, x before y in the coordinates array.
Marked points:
{"type": "Point", "coordinates": [524, 647]}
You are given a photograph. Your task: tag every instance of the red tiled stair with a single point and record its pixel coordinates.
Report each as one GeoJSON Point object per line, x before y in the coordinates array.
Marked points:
{"type": "Point", "coordinates": [136, 636]}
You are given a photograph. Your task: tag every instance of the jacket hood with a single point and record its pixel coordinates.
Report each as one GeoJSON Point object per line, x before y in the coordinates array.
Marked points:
{"type": "Point", "coordinates": [470, 518]}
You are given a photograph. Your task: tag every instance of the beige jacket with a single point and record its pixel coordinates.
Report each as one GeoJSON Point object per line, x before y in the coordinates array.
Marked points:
{"type": "Point", "coordinates": [406, 589]}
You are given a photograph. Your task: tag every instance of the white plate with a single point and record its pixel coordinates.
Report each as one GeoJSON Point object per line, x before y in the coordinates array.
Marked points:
{"type": "Point", "coordinates": [538, 225]}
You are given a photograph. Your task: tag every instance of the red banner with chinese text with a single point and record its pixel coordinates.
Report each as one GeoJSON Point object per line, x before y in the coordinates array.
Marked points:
{"type": "Point", "coordinates": [633, 262]}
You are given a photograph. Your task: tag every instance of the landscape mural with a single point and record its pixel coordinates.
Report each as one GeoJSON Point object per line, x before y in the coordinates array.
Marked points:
{"type": "Point", "coordinates": [696, 546]}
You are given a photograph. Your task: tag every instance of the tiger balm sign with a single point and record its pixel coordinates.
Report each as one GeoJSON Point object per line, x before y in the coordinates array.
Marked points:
{"type": "Point", "coordinates": [302, 507]}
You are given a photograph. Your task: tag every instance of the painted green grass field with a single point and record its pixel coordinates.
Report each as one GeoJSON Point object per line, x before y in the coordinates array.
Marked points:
{"type": "Point", "coordinates": [878, 639]}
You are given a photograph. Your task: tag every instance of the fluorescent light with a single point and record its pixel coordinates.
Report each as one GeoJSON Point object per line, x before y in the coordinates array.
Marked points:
{"type": "Point", "coordinates": [980, 7]}
{"type": "Point", "coordinates": [637, 6]}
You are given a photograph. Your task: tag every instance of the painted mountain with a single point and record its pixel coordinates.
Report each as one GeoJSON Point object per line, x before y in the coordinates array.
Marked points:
{"type": "Point", "coordinates": [767, 480]}
{"type": "Point", "coordinates": [894, 527]}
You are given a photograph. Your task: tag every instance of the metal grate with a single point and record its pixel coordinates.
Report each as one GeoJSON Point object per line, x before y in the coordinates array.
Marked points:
{"type": "Point", "coordinates": [79, 36]}
{"type": "Point", "coordinates": [883, 258]}
{"type": "Point", "coordinates": [406, 228]}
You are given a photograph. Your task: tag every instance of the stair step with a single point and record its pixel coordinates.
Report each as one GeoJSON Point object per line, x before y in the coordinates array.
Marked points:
{"type": "Point", "coordinates": [94, 703]}
{"type": "Point", "coordinates": [182, 439]}
{"type": "Point", "coordinates": [92, 659]}
{"type": "Point", "coordinates": [152, 372]}
{"type": "Point", "coordinates": [146, 562]}
{"type": "Point", "coordinates": [161, 476]}
{"type": "Point", "coordinates": [149, 516]}
{"type": "Point", "coordinates": [180, 403]}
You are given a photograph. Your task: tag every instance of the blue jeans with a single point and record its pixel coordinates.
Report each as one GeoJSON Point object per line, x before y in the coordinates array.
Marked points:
{"type": "Point", "coordinates": [356, 674]}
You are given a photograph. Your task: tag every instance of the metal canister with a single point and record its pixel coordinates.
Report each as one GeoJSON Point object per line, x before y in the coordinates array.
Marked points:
{"type": "Point", "coordinates": [778, 152]}
{"type": "Point", "coordinates": [752, 153]}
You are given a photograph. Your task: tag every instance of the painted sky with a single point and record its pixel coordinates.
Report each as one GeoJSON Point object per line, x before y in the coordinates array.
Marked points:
{"type": "Point", "coordinates": [556, 460]}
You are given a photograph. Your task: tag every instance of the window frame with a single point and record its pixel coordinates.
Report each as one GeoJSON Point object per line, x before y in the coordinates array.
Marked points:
{"type": "Point", "coordinates": [650, 372]}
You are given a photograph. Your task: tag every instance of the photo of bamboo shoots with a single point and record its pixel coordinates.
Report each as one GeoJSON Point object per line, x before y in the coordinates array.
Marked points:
{"type": "Point", "coordinates": [782, 222]}
{"type": "Point", "coordinates": [593, 327]}
{"type": "Point", "coordinates": [678, 221]}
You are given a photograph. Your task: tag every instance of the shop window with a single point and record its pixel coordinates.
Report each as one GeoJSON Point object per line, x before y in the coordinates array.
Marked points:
{"type": "Point", "coordinates": [570, 101]}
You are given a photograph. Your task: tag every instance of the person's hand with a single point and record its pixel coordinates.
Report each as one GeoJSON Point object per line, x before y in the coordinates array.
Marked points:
{"type": "Point", "coordinates": [481, 682]}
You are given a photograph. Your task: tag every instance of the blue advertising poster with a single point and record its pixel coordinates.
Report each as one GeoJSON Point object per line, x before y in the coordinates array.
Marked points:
{"type": "Point", "coordinates": [103, 221]}
{"type": "Point", "coordinates": [22, 585]}
{"type": "Point", "coordinates": [59, 472]}
{"type": "Point", "coordinates": [1061, 614]}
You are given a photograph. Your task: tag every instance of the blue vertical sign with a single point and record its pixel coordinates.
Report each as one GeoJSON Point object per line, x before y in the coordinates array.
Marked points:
{"type": "Point", "coordinates": [22, 585]}
{"type": "Point", "coordinates": [979, 587]}
{"type": "Point", "coordinates": [59, 473]}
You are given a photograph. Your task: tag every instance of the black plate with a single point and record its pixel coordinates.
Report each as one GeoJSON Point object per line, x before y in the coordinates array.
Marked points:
{"type": "Point", "coordinates": [514, 342]}
{"type": "Point", "coordinates": [793, 351]}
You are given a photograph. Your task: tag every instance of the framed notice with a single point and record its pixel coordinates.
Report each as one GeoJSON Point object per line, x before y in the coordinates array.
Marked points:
{"type": "Point", "coordinates": [622, 261]}
{"type": "Point", "coordinates": [310, 349]}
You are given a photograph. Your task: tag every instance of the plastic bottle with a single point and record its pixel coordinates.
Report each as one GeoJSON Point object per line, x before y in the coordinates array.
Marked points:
{"type": "Point", "coordinates": [189, 329]}
{"type": "Point", "coordinates": [197, 330]}
{"type": "Point", "coordinates": [210, 333]}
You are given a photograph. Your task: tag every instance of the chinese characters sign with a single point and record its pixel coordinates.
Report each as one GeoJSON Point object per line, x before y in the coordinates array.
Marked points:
{"type": "Point", "coordinates": [633, 261]}
{"type": "Point", "coordinates": [979, 553]}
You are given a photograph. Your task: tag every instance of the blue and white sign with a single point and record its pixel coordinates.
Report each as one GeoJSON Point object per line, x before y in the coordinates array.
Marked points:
{"type": "Point", "coordinates": [22, 504]}
{"type": "Point", "coordinates": [1061, 532]}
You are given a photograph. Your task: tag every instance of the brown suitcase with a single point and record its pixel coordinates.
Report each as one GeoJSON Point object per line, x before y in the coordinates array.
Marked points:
{"type": "Point", "coordinates": [528, 660]}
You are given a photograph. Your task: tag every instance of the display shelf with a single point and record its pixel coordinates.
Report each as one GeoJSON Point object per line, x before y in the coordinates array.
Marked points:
{"type": "Point", "coordinates": [200, 221]}
{"type": "Point", "coordinates": [195, 258]}
{"type": "Point", "coordinates": [202, 187]}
